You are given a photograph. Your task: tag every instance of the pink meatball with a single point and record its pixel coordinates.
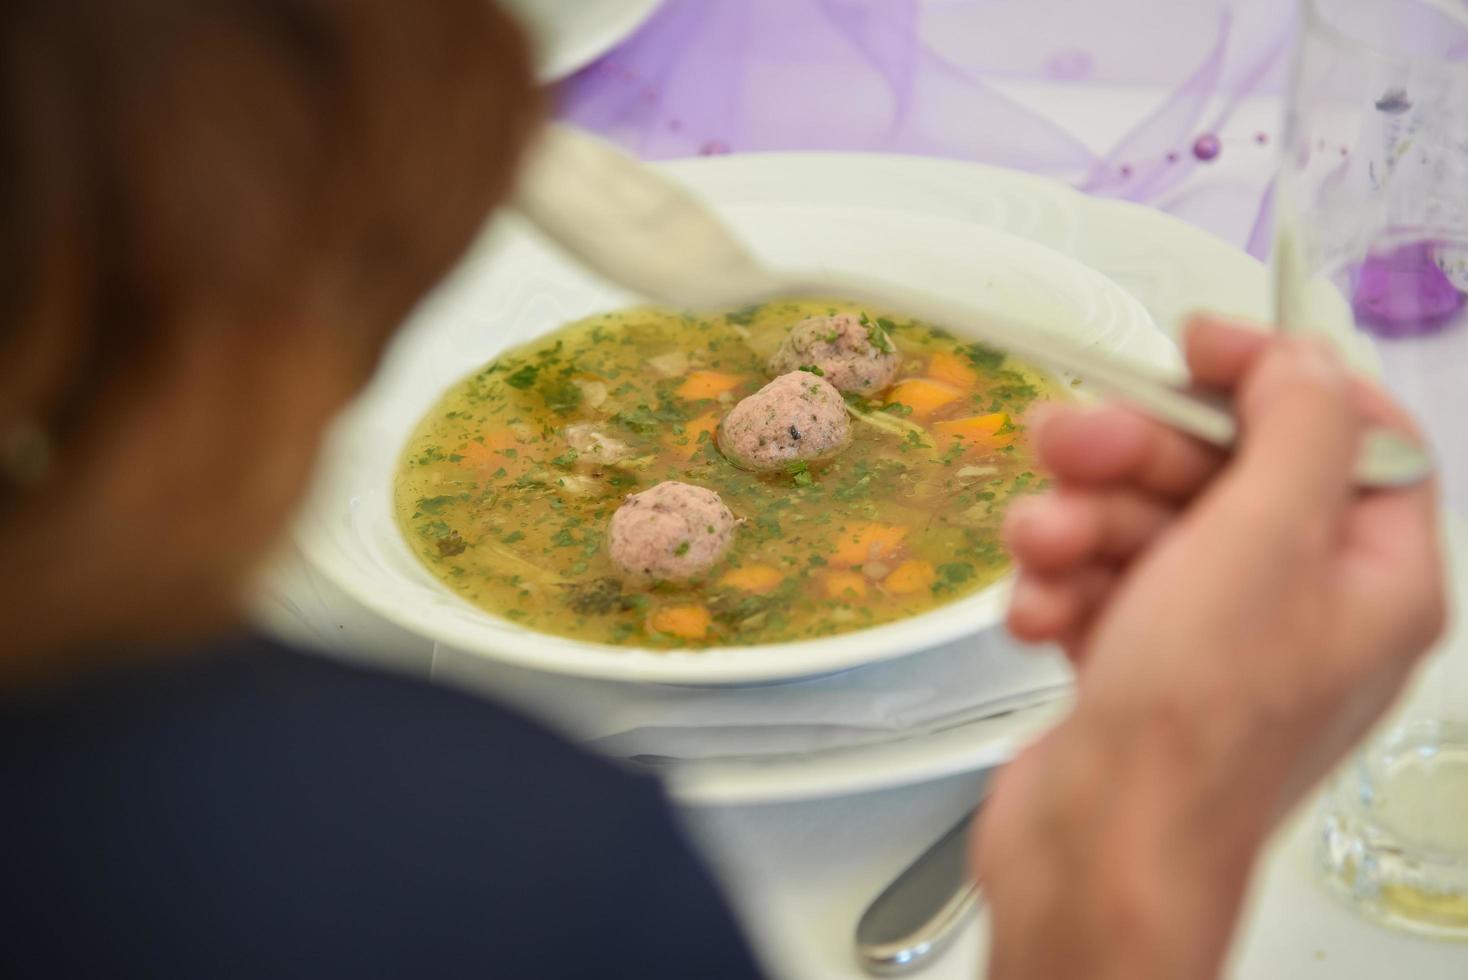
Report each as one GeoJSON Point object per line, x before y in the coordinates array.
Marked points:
{"type": "Point", "coordinates": [852, 355]}
{"type": "Point", "coordinates": [672, 532]}
{"type": "Point", "coordinates": [798, 416]}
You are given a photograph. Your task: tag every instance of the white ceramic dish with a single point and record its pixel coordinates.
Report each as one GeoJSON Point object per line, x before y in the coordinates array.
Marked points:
{"type": "Point", "coordinates": [570, 34]}
{"type": "Point", "coordinates": [515, 289]}
{"type": "Point", "coordinates": [1170, 266]}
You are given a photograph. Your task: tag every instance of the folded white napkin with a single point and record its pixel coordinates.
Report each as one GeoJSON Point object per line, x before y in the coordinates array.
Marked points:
{"type": "Point", "coordinates": [975, 678]}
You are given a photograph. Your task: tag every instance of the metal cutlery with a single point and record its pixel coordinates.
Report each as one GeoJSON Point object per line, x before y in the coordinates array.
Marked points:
{"type": "Point", "coordinates": [920, 913]}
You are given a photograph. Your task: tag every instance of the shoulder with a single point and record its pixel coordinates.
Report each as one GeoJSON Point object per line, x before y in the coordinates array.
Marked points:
{"type": "Point", "coordinates": [338, 817]}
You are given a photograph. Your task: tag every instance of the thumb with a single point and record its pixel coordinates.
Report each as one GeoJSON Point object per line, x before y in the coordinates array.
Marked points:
{"type": "Point", "coordinates": [1299, 435]}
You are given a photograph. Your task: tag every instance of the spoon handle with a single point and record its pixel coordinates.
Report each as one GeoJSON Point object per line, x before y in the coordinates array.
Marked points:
{"type": "Point", "coordinates": [1386, 458]}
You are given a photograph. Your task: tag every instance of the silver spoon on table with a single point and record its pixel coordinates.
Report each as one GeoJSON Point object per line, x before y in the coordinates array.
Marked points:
{"type": "Point", "coordinates": [923, 910]}
{"type": "Point", "coordinates": [638, 229]}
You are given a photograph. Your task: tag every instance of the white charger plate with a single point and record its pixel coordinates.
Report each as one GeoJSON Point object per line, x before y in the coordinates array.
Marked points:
{"type": "Point", "coordinates": [570, 34]}
{"type": "Point", "coordinates": [516, 288]}
{"type": "Point", "coordinates": [1169, 266]}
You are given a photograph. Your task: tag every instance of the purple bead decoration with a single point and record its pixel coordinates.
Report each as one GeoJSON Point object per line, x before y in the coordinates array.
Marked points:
{"type": "Point", "coordinates": [1405, 293]}
{"type": "Point", "coordinates": [1207, 147]}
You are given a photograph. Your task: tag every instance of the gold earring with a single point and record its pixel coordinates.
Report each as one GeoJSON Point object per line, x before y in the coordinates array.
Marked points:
{"type": "Point", "coordinates": [25, 454]}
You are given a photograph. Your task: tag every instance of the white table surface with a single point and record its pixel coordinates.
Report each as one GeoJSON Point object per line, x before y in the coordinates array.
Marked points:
{"type": "Point", "coordinates": [801, 874]}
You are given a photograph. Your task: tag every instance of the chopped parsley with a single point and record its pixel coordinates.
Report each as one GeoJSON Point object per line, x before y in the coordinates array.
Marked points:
{"type": "Point", "coordinates": [800, 472]}
{"type": "Point", "coordinates": [523, 378]}
{"type": "Point", "coordinates": [745, 315]}
{"type": "Point", "coordinates": [435, 505]}
{"type": "Point", "coordinates": [561, 395]}
{"type": "Point", "coordinates": [984, 357]}
{"type": "Point", "coordinates": [877, 335]}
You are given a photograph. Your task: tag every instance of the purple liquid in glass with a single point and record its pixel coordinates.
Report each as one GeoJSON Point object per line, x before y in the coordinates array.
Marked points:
{"type": "Point", "coordinates": [1404, 293]}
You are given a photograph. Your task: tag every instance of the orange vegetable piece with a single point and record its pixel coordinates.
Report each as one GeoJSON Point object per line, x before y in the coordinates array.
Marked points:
{"type": "Point", "coordinates": [758, 579]}
{"type": "Point", "coordinates": [489, 455]}
{"type": "Point", "coordinates": [707, 384]}
{"type": "Point", "coordinates": [842, 585]}
{"type": "Point", "coordinates": [909, 577]}
{"type": "Point", "coordinates": [952, 369]}
{"type": "Point", "coordinates": [693, 430]}
{"type": "Point", "coordinates": [978, 431]}
{"type": "Point", "coordinates": [923, 395]}
{"type": "Point", "coordinates": [869, 542]}
{"type": "Point", "coordinates": [684, 622]}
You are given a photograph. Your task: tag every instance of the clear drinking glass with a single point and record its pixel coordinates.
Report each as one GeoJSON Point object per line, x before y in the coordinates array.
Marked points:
{"type": "Point", "coordinates": [1372, 218]}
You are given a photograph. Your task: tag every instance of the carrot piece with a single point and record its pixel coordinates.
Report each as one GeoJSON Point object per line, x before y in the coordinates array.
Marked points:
{"type": "Point", "coordinates": [868, 542]}
{"type": "Point", "coordinates": [845, 585]}
{"type": "Point", "coordinates": [952, 369]}
{"type": "Point", "coordinates": [909, 577]}
{"type": "Point", "coordinates": [489, 455]}
{"type": "Point", "coordinates": [692, 431]}
{"type": "Point", "coordinates": [923, 395]}
{"type": "Point", "coordinates": [977, 431]}
{"type": "Point", "coordinates": [700, 385]}
{"type": "Point", "coordinates": [758, 579]}
{"type": "Point", "coordinates": [684, 622]}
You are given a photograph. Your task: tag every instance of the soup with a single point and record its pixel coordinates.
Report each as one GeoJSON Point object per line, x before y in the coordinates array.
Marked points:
{"type": "Point", "coordinates": [495, 497]}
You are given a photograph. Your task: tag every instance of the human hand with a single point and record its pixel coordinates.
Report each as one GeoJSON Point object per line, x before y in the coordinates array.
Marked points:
{"type": "Point", "coordinates": [1236, 625]}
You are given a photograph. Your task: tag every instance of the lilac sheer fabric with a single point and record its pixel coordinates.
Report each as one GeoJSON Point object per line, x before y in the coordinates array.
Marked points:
{"type": "Point", "coordinates": [938, 77]}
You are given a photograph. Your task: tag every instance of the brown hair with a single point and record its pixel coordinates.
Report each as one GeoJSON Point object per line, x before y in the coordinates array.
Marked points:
{"type": "Point", "coordinates": [316, 157]}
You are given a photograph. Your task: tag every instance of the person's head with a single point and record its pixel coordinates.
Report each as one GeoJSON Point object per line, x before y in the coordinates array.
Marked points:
{"type": "Point", "coordinates": [212, 215]}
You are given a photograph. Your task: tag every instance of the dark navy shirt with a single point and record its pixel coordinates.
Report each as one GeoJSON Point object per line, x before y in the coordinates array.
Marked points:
{"type": "Point", "coordinates": [251, 812]}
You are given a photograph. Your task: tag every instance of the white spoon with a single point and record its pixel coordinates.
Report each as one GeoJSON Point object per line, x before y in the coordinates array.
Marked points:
{"type": "Point", "coordinates": [641, 231]}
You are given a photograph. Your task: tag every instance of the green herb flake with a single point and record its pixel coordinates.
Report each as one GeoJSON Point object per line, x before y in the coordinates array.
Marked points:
{"type": "Point", "coordinates": [435, 505]}
{"type": "Point", "coordinates": [876, 335]}
{"type": "Point", "coordinates": [984, 357]}
{"type": "Point", "coordinates": [523, 378]}
{"type": "Point", "coordinates": [800, 472]}
{"type": "Point", "coordinates": [745, 315]}
{"type": "Point", "coordinates": [561, 395]}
